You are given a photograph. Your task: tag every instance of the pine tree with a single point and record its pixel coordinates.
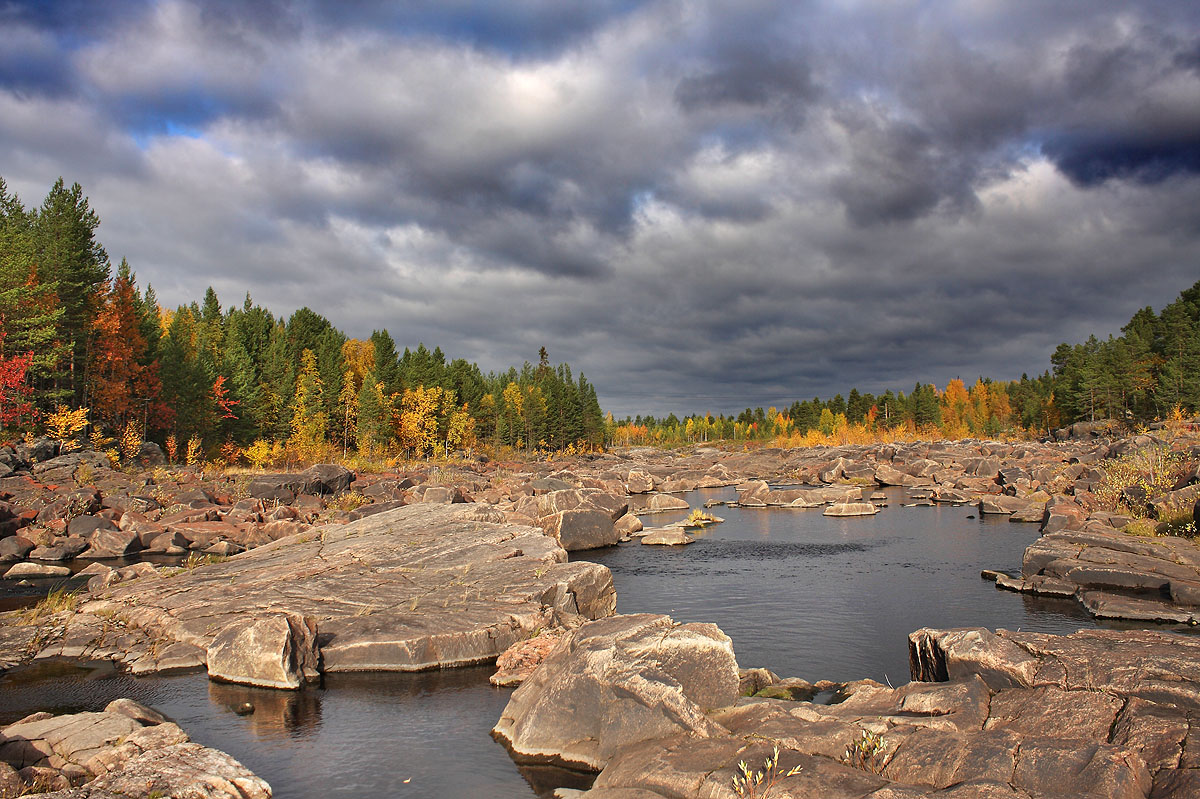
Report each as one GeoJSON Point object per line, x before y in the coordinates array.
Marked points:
{"type": "Point", "coordinates": [373, 422]}
{"type": "Point", "coordinates": [30, 314]}
{"type": "Point", "coordinates": [69, 256]}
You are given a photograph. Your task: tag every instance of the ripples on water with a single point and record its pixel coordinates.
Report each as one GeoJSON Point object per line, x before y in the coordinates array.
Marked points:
{"type": "Point", "coordinates": [803, 594]}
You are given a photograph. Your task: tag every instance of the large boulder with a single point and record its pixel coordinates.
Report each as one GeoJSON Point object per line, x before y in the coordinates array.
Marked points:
{"type": "Point", "coordinates": [329, 478]}
{"type": "Point", "coordinates": [127, 750]}
{"type": "Point", "coordinates": [583, 528]}
{"type": "Point", "coordinates": [639, 481]}
{"type": "Point", "coordinates": [663, 502]}
{"type": "Point", "coordinates": [851, 509]}
{"type": "Point", "coordinates": [106, 542]}
{"type": "Point", "coordinates": [277, 651]}
{"type": "Point", "coordinates": [616, 682]}
{"type": "Point", "coordinates": [323, 478]}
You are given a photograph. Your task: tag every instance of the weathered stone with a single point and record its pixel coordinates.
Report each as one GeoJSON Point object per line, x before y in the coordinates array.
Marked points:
{"type": "Point", "coordinates": [329, 478]}
{"type": "Point", "coordinates": [520, 660]}
{"type": "Point", "coordinates": [419, 587]}
{"type": "Point", "coordinates": [851, 509]}
{"type": "Point", "coordinates": [271, 652]}
{"type": "Point", "coordinates": [136, 711]}
{"type": "Point", "coordinates": [626, 525]}
{"type": "Point", "coordinates": [14, 547]}
{"type": "Point", "coordinates": [36, 570]}
{"type": "Point", "coordinates": [599, 691]}
{"type": "Point", "coordinates": [582, 529]}
{"type": "Point", "coordinates": [663, 502]}
{"type": "Point", "coordinates": [887, 476]}
{"type": "Point", "coordinates": [109, 543]}
{"type": "Point", "coordinates": [1001, 504]}
{"type": "Point", "coordinates": [639, 482]}
{"type": "Point", "coordinates": [667, 536]}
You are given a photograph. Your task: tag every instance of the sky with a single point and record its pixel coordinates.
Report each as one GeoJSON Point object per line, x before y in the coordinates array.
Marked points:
{"type": "Point", "coordinates": [703, 206]}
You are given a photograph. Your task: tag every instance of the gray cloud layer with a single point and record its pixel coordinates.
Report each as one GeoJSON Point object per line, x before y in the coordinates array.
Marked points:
{"type": "Point", "coordinates": [702, 205]}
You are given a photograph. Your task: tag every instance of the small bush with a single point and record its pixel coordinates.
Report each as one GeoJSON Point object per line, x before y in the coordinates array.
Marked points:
{"type": "Point", "coordinates": [759, 784]}
{"type": "Point", "coordinates": [863, 753]}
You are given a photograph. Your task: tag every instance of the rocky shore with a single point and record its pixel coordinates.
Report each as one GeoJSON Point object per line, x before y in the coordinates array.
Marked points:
{"type": "Point", "coordinates": [294, 575]}
{"type": "Point", "coordinates": [125, 750]}
{"type": "Point", "coordinates": [653, 707]}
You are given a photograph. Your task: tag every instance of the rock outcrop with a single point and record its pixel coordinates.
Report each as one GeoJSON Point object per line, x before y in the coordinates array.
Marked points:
{"type": "Point", "coordinates": [419, 587]}
{"type": "Point", "coordinates": [127, 750]}
{"type": "Point", "coordinates": [616, 682]}
{"type": "Point", "coordinates": [1014, 715]}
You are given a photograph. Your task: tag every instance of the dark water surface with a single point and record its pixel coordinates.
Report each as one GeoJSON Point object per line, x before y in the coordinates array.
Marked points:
{"type": "Point", "coordinates": [819, 597]}
{"type": "Point", "coordinates": [803, 594]}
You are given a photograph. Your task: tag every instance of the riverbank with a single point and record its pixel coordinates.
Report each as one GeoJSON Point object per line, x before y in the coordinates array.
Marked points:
{"type": "Point", "coordinates": [313, 594]}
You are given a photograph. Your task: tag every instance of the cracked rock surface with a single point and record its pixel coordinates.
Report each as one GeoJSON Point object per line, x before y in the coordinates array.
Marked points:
{"type": "Point", "coordinates": [1014, 715]}
{"type": "Point", "coordinates": [127, 750]}
{"type": "Point", "coordinates": [419, 587]}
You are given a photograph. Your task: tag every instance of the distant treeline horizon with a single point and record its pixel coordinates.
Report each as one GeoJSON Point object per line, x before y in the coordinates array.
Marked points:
{"type": "Point", "coordinates": [1147, 373]}
{"type": "Point", "coordinates": [82, 346]}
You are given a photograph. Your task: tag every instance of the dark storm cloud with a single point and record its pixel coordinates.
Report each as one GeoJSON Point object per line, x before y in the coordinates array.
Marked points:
{"type": "Point", "coordinates": [703, 206]}
{"type": "Point", "coordinates": [1089, 159]}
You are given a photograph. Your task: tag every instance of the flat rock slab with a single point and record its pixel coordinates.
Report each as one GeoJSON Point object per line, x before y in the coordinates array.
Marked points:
{"type": "Point", "coordinates": [420, 587]}
{"type": "Point", "coordinates": [1115, 575]}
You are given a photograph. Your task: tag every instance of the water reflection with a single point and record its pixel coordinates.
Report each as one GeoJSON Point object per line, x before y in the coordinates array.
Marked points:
{"type": "Point", "coordinates": [276, 714]}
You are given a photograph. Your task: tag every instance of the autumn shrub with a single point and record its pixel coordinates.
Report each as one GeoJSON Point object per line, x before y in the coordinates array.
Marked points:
{"type": "Point", "coordinates": [195, 451]}
{"type": "Point", "coordinates": [760, 784]}
{"type": "Point", "coordinates": [347, 501]}
{"type": "Point", "coordinates": [260, 453]}
{"type": "Point", "coordinates": [65, 424]}
{"type": "Point", "coordinates": [231, 453]}
{"type": "Point", "coordinates": [131, 441]}
{"type": "Point", "coordinates": [172, 445]}
{"type": "Point", "coordinates": [1132, 479]}
{"type": "Point", "coordinates": [863, 753]}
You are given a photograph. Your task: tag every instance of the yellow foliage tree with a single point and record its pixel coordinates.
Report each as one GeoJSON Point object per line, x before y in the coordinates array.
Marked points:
{"type": "Point", "coordinates": [419, 408]}
{"type": "Point", "coordinates": [309, 422]}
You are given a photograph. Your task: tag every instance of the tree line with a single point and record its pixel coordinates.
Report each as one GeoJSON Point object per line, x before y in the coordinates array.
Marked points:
{"type": "Point", "coordinates": [1147, 373]}
{"type": "Point", "coordinates": [1152, 367]}
{"type": "Point", "coordinates": [82, 345]}
{"type": "Point", "coordinates": [988, 408]}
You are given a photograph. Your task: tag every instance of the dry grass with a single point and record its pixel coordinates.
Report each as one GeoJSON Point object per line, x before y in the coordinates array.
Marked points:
{"type": "Point", "coordinates": [57, 601]}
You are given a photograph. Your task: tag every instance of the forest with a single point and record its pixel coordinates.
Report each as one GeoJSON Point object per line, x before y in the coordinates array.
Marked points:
{"type": "Point", "coordinates": [84, 350]}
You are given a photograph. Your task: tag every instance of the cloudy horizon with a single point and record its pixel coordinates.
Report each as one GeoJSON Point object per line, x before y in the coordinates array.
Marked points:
{"type": "Point", "coordinates": [702, 206]}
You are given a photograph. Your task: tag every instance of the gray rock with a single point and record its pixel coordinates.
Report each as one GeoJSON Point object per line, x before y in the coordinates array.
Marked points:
{"type": "Point", "coordinates": [110, 543]}
{"type": "Point", "coordinates": [150, 454]}
{"type": "Point", "coordinates": [36, 570]}
{"type": "Point", "coordinates": [136, 711]}
{"type": "Point", "coordinates": [15, 547]}
{"type": "Point", "coordinates": [616, 682]}
{"type": "Point", "coordinates": [667, 536]}
{"type": "Point", "coordinates": [277, 651]}
{"type": "Point", "coordinates": [851, 509]}
{"type": "Point", "coordinates": [663, 502]}
{"type": "Point", "coordinates": [329, 478]}
{"type": "Point", "coordinates": [639, 481]}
